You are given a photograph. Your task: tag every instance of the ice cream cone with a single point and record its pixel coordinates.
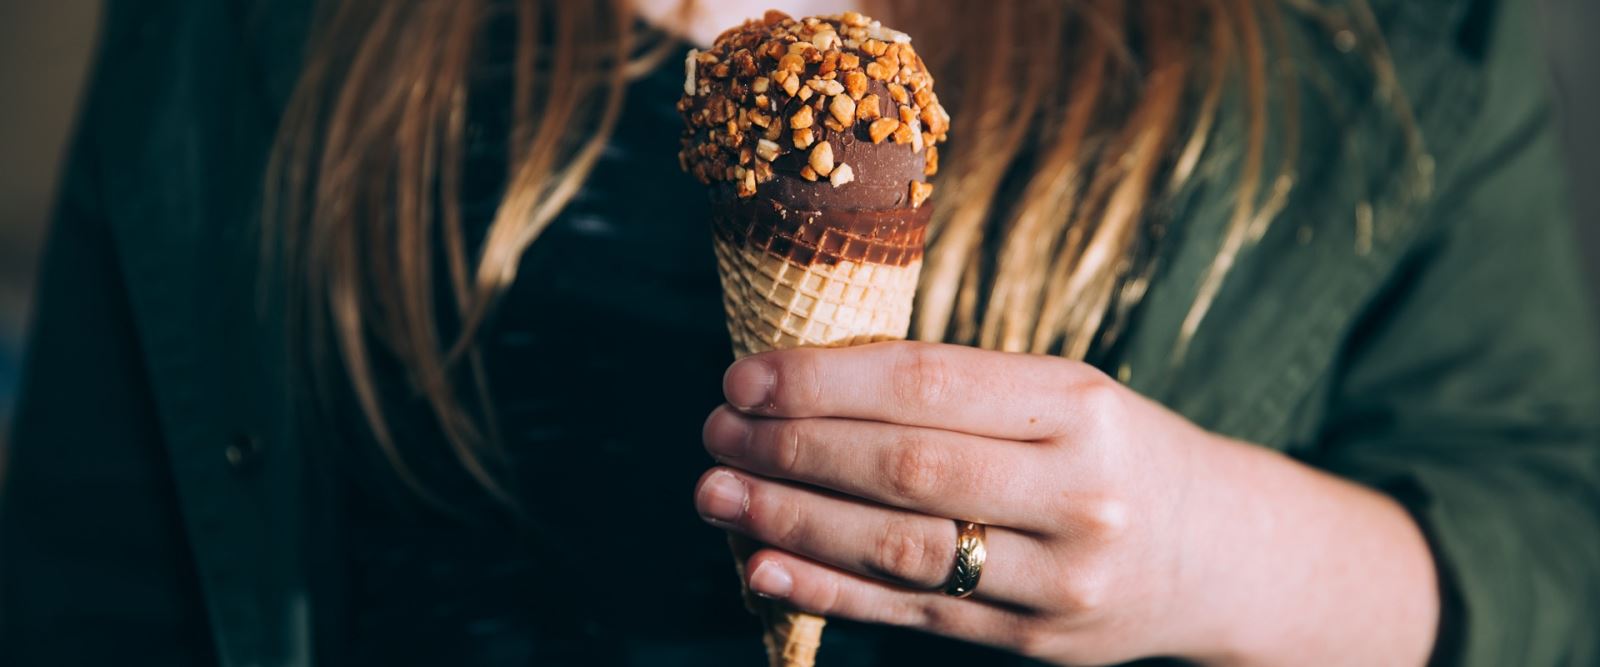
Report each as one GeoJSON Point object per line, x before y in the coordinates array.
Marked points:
{"type": "Point", "coordinates": [819, 284]}
{"type": "Point", "coordinates": [817, 138]}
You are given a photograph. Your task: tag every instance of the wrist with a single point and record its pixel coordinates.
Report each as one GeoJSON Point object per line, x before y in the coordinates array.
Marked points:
{"type": "Point", "coordinates": [1283, 562]}
{"type": "Point", "coordinates": [1221, 522]}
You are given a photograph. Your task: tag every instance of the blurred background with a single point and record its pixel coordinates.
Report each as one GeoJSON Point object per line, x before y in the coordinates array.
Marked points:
{"type": "Point", "coordinates": [45, 49]}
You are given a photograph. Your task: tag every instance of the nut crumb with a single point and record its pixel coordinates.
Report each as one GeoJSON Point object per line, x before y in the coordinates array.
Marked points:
{"type": "Point", "coordinates": [821, 158]}
{"type": "Point", "coordinates": [801, 118]}
{"type": "Point", "coordinates": [843, 109]}
{"type": "Point", "coordinates": [855, 83]}
{"type": "Point", "coordinates": [766, 150]}
{"type": "Point", "coordinates": [881, 128]}
{"type": "Point", "coordinates": [870, 108]}
{"type": "Point", "coordinates": [842, 174]}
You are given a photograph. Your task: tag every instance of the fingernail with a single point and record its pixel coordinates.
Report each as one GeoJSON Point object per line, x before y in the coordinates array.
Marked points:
{"type": "Point", "coordinates": [722, 497]}
{"type": "Point", "coordinates": [727, 434]}
{"type": "Point", "coordinates": [748, 383]}
{"type": "Point", "coordinates": [771, 580]}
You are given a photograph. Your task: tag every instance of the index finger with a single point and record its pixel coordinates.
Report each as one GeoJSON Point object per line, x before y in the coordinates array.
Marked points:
{"type": "Point", "coordinates": [950, 387]}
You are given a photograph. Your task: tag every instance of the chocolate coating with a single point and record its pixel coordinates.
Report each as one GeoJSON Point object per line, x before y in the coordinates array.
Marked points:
{"type": "Point", "coordinates": [892, 237]}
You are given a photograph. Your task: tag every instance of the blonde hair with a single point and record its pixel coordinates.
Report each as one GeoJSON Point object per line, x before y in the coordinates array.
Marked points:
{"type": "Point", "coordinates": [1063, 139]}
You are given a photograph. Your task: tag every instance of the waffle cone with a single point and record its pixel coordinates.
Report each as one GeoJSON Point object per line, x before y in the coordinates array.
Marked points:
{"type": "Point", "coordinates": [775, 302]}
{"type": "Point", "coordinates": [811, 286]}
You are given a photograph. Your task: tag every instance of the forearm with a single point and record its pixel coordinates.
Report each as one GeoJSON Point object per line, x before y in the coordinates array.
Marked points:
{"type": "Point", "coordinates": [1296, 566]}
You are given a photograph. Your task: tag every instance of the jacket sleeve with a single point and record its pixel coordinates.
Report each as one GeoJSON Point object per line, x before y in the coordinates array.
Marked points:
{"type": "Point", "coordinates": [94, 568]}
{"type": "Point", "coordinates": [1472, 389]}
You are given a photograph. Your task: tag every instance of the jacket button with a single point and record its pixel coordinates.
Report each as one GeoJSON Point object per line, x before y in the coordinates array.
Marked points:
{"type": "Point", "coordinates": [243, 451]}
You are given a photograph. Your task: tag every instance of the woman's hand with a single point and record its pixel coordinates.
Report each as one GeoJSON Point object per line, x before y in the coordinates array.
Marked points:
{"type": "Point", "coordinates": [1113, 528]}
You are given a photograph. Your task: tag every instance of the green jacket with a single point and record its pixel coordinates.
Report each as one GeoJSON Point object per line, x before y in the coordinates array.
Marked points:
{"type": "Point", "coordinates": [1414, 320]}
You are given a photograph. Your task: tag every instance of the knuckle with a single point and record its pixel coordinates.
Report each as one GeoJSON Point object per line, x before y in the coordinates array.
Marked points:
{"type": "Point", "coordinates": [1100, 402]}
{"type": "Point", "coordinates": [786, 436]}
{"type": "Point", "coordinates": [923, 377]}
{"type": "Point", "coordinates": [916, 470]}
{"type": "Point", "coordinates": [799, 388]}
{"type": "Point", "coordinates": [1103, 520]}
{"type": "Point", "coordinates": [783, 524]}
{"type": "Point", "coordinates": [901, 552]}
{"type": "Point", "coordinates": [826, 597]}
{"type": "Point", "coordinates": [1085, 591]}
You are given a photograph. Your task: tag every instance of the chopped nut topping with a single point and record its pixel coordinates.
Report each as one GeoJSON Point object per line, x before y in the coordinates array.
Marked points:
{"type": "Point", "coordinates": [801, 118]}
{"type": "Point", "coordinates": [766, 150]}
{"type": "Point", "coordinates": [843, 109]}
{"type": "Point", "coordinates": [870, 108]}
{"type": "Point", "coordinates": [920, 192]}
{"type": "Point", "coordinates": [940, 122]}
{"type": "Point", "coordinates": [689, 72]}
{"type": "Point", "coordinates": [830, 62]}
{"type": "Point", "coordinates": [897, 92]}
{"type": "Point", "coordinates": [891, 58]}
{"type": "Point", "coordinates": [832, 71]}
{"type": "Point", "coordinates": [902, 134]}
{"type": "Point", "coordinates": [877, 31]}
{"type": "Point", "coordinates": [821, 160]}
{"type": "Point", "coordinates": [855, 83]}
{"type": "Point", "coordinates": [842, 174]}
{"type": "Point", "coordinates": [881, 128]}
{"type": "Point", "coordinates": [747, 185]}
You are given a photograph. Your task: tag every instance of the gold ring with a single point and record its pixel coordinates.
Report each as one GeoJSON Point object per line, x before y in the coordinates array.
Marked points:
{"type": "Point", "coordinates": [970, 554]}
